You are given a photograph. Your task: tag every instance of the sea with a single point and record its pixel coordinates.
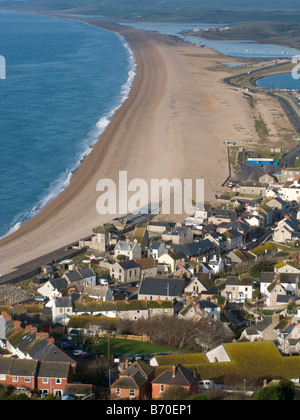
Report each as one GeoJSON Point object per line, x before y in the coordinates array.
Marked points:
{"type": "Point", "coordinates": [64, 80]}
{"type": "Point", "coordinates": [280, 81]}
{"type": "Point", "coordinates": [62, 85]}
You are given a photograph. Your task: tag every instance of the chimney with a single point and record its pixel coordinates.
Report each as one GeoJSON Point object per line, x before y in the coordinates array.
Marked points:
{"type": "Point", "coordinates": [51, 340]}
{"type": "Point", "coordinates": [174, 371]}
{"type": "Point", "coordinates": [195, 373]}
{"type": "Point", "coordinates": [126, 363]}
{"type": "Point", "coordinates": [265, 382]}
{"type": "Point", "coordinates": [17, 326]}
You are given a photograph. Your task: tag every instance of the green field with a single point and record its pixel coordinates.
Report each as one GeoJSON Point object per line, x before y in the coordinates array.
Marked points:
{"type": "Point", "coordinates": [131, 347]}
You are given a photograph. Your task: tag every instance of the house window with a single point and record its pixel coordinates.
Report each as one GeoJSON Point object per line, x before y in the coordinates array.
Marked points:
{"type": "Point", "coordinates": [27, 379]}
{"type": "Point", "coordinates": [58, 381]}
{"type": "Point", "coordinates": [118, 392]}
{"type": "Point", "coordinates": [15, 378]}
{"type": "Point", "coordinates": [162, 388]}
{"type": "Point", "coordinates": [45, 380]}
{"type": "Point", "coordinates": [2, 377]}
{"type": "Point", "coordinates": [131, 393]}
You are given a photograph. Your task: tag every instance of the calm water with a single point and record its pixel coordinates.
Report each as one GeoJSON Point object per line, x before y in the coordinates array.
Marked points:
{"type": "Point", "coordinates": [62, 85]}
{"type": "Point", "coordinates": [245, 49]}
{"type": "Point", "coordinates": [279, 81]}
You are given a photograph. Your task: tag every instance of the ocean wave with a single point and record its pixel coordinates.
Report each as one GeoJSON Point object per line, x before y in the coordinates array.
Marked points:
{"type": "Point", "coordinates": [64, 179]}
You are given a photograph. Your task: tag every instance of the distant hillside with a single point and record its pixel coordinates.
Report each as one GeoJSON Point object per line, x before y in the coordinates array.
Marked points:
{"type": "Point", "coordinates": [215, 11]}
{"type": "Point", "coordinates": [262, 32]}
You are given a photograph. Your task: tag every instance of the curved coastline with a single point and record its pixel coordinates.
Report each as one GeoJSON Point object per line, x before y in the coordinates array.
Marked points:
{"type": "Point", "coordinates": [172, 125]}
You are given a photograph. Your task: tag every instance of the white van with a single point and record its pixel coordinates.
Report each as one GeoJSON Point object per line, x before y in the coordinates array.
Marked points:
{"type": "Point", "coordinates": [104, 282]}
{"type": "Point", "coordinates": [78, 352]}
{"type": "Point", "coordinates": [239, 300]}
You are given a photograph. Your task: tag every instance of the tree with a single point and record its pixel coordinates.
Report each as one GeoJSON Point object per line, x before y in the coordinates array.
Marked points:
{"type": "Point", "coordinates": [175, 393]}
{"type": "Point", "coordinates": [284, 390]}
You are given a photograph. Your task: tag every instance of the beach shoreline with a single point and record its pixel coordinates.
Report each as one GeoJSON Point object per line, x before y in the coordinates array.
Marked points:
{"type": "Point", "coordinates": [166, 128]}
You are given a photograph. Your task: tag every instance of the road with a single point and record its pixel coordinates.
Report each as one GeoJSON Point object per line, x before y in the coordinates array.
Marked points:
{"type": "Point", "coordinates": [233, 313]}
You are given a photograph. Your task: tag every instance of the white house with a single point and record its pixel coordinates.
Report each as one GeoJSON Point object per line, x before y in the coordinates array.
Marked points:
{"type": "Point", "coordinates": [285, 229]}
{"type": "Point", "coordinates": [62, 310]}
{"type": "Point", "coordinates": [131, 250]}
{"type": "Point", "coordinates": [284, 267]}
{"type": "Point", "coordinates": [156, 249]}
{"type": "Point", "coordinates": [102, 293]}
{"type": "Point", "coordinates": [287, 280]}
{"type": "Point", "coordinates": [171, 260]}
{"type": "Point", "coordinates": [51, 287]}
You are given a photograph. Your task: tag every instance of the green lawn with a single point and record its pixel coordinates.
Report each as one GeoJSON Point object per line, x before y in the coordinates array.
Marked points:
{"type": "Point", "coordinates": [131, 347]}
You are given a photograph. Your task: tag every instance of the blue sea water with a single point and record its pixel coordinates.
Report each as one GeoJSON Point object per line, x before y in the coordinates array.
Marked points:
{"type": "Point", "coordinates": [245, 48]}
{"type": "Point", "coordinates": [63, 83]}
{"type": "Point", "coordinates": [279, 81]}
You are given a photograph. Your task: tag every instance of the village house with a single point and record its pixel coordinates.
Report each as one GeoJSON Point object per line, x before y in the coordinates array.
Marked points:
{"type": "Point", "coordinates": [197, 251]}
{"type": "Point", "coordinates": [125, 271]}
{"type": "Point", "coordinates": [279, 207]}
{"type": "Point", "coordinates": [156, 249]}
{"type": "Point", "coordinates": [158, 288]}
{"type": "Point", "coordinates": [122, 309]}
{"type": "Point", "coordinates": [278, 295]}
{"type": "Point", "coordinates": [134, 381]}
{"type": "Point", "coordinates": [28, 375]}
{"type": "Point", "coordinates": [237, 225]}
{"type": "Point", "coordinates": [160, 227]}
{"type": "Point", "coordinates": [198, 285]}
{"type": "Point", "coordinates": [102, 238]}
{"type": "Point", "coordinates": [263, 330]}
{"type": "Point", "coordinates": [141, 235]}
{"type": "Point", "coordinates": [179, 236]}
{"type": "Point", "coordinates": [148, 267]}
{"type": "Point", "coordinates": [238, 288]}
{"type": "Point", "coordinates": [199, 310]}
{"type": "Point", "coordinates": [234, 239]}
{"type": "Point", "coordinates": [131, 250]}
{"type": "Point", "coordinates": [285, 230]}
{"type": "Point", "coordinates": [171, 260]}
{"type": "Point", "coordinates": [99, 293]}
{"type": "Point", "coordinates": [218, 240]}
{"type": "Point", "coordinates": [52, 287]}
{"type": "Point", "coordinates": [290, 191]}
{"type": "Point", "coordinates": [287, 337]}
{"type": "Point", "coordinates": [178, 376]}
{"type": "Point", "coordinates": [284, 267]}
{"type": "Point", "coordinates": [85, 276]}
{"type": "Point", "coordinates": [30, 344]}
{"type": "Point", "coordinates": [62, 309]}
{"type": "Point", "coordinates": [289, 281]}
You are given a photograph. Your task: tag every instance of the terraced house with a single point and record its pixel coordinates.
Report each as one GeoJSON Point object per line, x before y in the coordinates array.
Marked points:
{"type": "Point", "coordinates": [27, 375]}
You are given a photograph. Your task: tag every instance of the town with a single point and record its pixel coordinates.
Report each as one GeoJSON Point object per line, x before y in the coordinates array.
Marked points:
{"type": "Point", "coordinates": [228, 277]}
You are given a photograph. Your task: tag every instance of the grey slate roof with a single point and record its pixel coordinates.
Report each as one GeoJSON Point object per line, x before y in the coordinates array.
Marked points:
{"type": "Point", "coordinates": [183, 377]}
{"type": "Point", "coordinates": [126, 265]}
{"type": "Point", "coordinates": [194, 249]}
{"type": "Point", "coordinates": [158, 286]}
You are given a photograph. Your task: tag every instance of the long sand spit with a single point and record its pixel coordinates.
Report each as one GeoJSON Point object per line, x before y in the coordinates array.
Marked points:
{"type": "Point", "coordinates": [173, 125]}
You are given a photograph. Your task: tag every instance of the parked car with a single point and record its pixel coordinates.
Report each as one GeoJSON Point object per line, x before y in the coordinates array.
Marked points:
{"type": "Point", "coordinates": [103, 282]}
{"type": "Point", "coordinates": [41, 298]}
{"type": "Point", "coordinates": [117, 357]}
{"type": "Point", "coordinates": [239, 300]}
{"type": "Point", "coordinates": [85, 355]}
{"type": "Point", "coordinates": [78, 352]}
